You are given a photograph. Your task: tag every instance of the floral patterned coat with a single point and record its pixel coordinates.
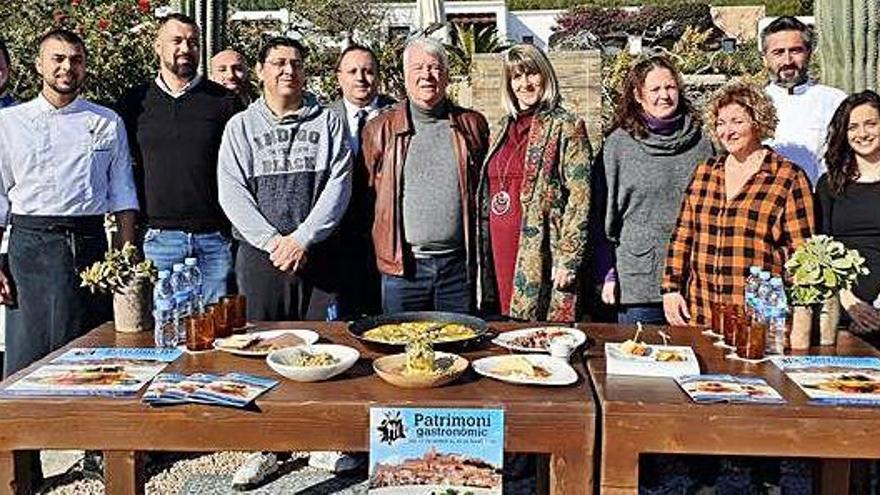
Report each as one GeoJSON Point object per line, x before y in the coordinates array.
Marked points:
{"type": "Point", "coordinates": [555, 200]}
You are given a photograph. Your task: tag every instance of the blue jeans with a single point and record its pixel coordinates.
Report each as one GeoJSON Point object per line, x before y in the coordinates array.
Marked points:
{"type": "Point", "coordinates": [212, 249]}
{"type": "Point", "coordinates": [437, 283]}
{"type": "Point", "coordinates": [648, 314]}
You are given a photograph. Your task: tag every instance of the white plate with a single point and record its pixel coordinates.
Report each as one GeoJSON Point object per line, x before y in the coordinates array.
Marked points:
{"type": "Point", "coordinates": [505, 339]}
{"type": "Point", "coordinates": [561, 372]}
{"type": "Point", "coordinates": [345, 355]}
{"type": "Point", "coordinates": [308, 336]}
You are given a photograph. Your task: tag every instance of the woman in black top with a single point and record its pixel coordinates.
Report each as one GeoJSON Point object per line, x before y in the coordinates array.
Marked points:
{"type": "Point", "coordinates": [848, 199]}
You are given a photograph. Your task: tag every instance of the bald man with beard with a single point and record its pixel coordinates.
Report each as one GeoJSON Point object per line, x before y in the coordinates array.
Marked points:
{"type": "Point", "coordinates": [230, 69]}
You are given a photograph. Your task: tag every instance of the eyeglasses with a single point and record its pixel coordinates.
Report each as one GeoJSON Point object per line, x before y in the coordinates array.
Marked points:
{"type": "Point", "coordinates": [281, 63]}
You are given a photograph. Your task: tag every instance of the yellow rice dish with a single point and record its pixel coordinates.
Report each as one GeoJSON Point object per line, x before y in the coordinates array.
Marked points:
{"type": "Point", "coordinates": [402, 333]}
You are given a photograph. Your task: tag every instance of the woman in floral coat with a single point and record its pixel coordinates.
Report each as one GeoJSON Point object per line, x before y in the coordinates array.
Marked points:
{"type": "Point", "coordinates": [533, 197]}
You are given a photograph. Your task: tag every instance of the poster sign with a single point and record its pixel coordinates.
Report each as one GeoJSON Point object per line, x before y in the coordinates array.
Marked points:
{"type": "Point", "coordinates": [415, 451]}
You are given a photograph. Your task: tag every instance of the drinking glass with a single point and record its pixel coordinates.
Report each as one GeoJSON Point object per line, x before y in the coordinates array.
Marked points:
{"type": "Point", "coordinates": [199, 331]}
{"type": "Point", "coordinates": [222, 321]}
{"type": "Point", "coordinates": [238, 309]}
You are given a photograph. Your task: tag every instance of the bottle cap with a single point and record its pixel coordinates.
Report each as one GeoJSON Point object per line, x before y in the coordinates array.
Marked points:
{"type": "Point", "coordinates": [755, 270]}
{"type": "Point", "coordinates": [776, 281]}
{"type": "Point", "coordinates": [191, 261]}
{"type": "Point", "coordinates": [164, 274]}
{"type": "Point", "coordinates": [765, 275]}
{"type": "Point", "coordinates": [177, 267]}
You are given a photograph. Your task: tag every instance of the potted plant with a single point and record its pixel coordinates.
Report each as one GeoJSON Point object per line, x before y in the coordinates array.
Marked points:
{"type": "Point", "coordinates": [130, 281]}
{"type": "Point", "coordinates": [819, 269]}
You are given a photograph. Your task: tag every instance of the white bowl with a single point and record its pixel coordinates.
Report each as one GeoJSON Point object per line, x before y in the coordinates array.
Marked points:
{"type": "Point", "coordinates": [347, 356]}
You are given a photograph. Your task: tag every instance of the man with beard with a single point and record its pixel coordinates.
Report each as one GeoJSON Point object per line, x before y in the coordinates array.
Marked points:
{"type": "Point", "coordinates": [6, 100]}
{"type": "Point", "coordinates": [174, 125]}
{"type": "Point", "coordinates": [230, 69]}
{"type": "Point", "coordinates": [803, 106]}
{"type": "Point", "coordinates": [64, 163]}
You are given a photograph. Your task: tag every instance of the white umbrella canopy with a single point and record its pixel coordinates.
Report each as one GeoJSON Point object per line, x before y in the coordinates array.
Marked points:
{"type": "Point", "coordinates": [429, 14]}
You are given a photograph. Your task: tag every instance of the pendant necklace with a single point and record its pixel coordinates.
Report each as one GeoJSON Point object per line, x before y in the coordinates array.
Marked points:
{"type": "Point", "coordinates": [500, 204]}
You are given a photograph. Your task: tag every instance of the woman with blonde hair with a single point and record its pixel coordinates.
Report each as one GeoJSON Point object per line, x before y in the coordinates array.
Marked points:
{"type": "Point", "coordinates": [747, 206]}
{"type": "Point", "coordinates": [533, 197]}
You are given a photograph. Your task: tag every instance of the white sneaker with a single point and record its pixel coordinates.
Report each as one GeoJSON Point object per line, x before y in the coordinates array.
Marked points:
{"type": "Point", "coordinates": [254, 470]}
{"type": "Point", "coordinates": [334, 461]}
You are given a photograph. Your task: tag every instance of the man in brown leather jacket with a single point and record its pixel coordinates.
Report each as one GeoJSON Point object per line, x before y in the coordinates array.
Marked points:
{"type": "Point", "coordinates": [423, 157]}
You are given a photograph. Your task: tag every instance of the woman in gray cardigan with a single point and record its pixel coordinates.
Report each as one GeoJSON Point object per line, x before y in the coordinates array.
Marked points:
{"type": "Point", "coordinates": [654, 145]}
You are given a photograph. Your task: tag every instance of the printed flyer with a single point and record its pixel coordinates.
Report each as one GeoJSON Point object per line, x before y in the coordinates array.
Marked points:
{"type": "Point", "coordinates": [107, 372]}
{"type": "Point", "coordinates": [729, 388]}
{"type": "Point", "coordinates": [416, 451]}
{"type": "Point", "coordinates": [835, 380]}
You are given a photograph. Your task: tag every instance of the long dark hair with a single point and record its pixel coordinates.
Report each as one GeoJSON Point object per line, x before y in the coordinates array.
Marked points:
{"type": "Point", "coordinates": [627, 111]}
{"type": "Point", "coordinates": [839, 156]}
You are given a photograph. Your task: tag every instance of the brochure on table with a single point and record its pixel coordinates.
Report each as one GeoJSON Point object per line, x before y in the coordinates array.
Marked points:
{"type": "Point", "coordinates": [729, 388]}
{"type": "Point", "coordinates": [110, 372]}
{"type": "Point", "coordinates": [835, 380]}
{"type": "Point", "coordinates": [231, 389]}
{"type": "Point", "coordinates": [424, 451]}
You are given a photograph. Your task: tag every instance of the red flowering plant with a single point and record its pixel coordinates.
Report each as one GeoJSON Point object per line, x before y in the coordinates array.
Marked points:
{"type": "Point", "coordinates": [118, 35]}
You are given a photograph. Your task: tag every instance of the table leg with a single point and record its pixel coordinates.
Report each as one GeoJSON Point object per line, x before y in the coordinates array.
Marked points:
{"type": "Point", "coordinates": [834, 476]}
{"type": "Point", "coordinates": [123, 472]}
{"type": "Point", "coordinates": [571, 469]}
{"type": "Point", "coordinates": [16, 473]}
{"type": "Point", "coordinates": [619, 471]}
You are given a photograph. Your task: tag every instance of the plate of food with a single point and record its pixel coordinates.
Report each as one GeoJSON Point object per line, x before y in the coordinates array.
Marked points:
{"type": "Point", "coordinates": [262, 343]}
{"type": "Point", "coordinates": [527, 369]}
{"type": "Point", "coordinates": [390, 332]}
{"type": "Point", "coordinates": [312, 363]}
{"type": "Point", "coordinates": [537, 339]}
{"type": "Point", "coordinates": [445, 368]}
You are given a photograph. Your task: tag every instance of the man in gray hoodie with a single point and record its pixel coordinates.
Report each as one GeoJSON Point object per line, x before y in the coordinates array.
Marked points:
{"type": "Point", "coordinates": [284, 182]}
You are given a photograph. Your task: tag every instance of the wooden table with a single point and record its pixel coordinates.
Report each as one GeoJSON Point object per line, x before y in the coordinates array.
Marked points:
{"type": "Point", "coordinates": [653, 415]}
{"type": "Point", "coordinates": [331, 415]}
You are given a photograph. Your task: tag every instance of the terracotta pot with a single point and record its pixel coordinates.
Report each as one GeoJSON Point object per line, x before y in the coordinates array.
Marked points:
{"type": "Point", "coordinates": [801, 327]}
{"type": "Point", "coordinates": [132, 308]}
{"type": "Point", "coordinates": [829, 319]}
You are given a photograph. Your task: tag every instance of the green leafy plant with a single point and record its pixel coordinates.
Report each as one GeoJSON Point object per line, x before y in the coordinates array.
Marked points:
{"type": "Point", "coordinates": [120, 269]}
{"type": "Point", "coordinates": [820, 268]}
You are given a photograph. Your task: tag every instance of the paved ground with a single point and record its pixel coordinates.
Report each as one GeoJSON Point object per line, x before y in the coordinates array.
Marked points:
{"type": "Point", "coordinates": [211, 474]}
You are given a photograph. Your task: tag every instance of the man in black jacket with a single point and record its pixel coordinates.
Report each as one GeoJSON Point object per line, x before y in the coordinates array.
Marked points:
{"type": "Point", "coordinates": [175, 124]}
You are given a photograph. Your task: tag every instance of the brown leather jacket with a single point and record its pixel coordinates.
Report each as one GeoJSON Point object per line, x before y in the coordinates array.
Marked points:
{"type": "Point", "coordinates": [385, 141]}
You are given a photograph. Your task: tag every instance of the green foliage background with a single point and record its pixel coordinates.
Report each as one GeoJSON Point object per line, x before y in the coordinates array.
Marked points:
{"type": "Point", "coordinates": [118, 35]}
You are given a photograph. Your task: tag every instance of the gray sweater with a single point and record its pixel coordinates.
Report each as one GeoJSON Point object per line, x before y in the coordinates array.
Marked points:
{"type": "Point", "coordinates": [432, 222]}
{"type": "Point", "coordinates": [278, 176]}
{"type": "Point", "coordinates": [646, 178]}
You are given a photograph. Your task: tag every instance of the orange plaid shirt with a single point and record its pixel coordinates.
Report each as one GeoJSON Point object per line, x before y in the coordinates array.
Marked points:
{"type": "Point", "coordinates": [716, 240]}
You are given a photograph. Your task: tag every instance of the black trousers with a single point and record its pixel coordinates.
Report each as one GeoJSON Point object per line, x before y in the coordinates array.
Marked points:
{"type": "Point", "coordinates": [273, 295]}
{"type": "Point", "coordinates": [46, 255]}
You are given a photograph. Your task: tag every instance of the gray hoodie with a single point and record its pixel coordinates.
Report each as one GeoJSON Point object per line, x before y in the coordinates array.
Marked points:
{"type": "Point", "coordinates": [278, 176]}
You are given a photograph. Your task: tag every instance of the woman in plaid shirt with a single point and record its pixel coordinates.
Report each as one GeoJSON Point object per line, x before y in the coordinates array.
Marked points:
{"type": "Point", "coordinates": [747, 206]}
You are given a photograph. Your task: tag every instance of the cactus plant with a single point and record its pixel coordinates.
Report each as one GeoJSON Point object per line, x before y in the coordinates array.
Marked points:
{"type": "Point", "coordinates": [211, 18]}
{"type": "Point", "coordinates": [848, 43]}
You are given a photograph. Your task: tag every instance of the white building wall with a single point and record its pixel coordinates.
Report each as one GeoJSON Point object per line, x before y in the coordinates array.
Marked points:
{"type": "Point", "coordinates": [538, 24]}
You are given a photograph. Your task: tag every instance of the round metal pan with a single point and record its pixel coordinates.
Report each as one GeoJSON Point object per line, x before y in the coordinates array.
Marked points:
{"type": "Point", "coordinates": [359, 327]}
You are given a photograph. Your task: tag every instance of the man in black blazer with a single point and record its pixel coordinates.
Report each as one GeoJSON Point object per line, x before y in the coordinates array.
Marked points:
{"type": "Point", "coordinates": [357, 71]}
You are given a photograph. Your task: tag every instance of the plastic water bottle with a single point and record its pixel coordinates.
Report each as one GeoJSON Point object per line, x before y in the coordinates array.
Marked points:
{"type": "Point", "coordinates": [165, 331]}
{"type": "Point", "coordinates": [777, 317]}
{"type": "Point", "coordinates": [182, 298]}
{"type": "Point", "coordinates": [194, 277]}
{"type": "Point", "coordinates": [753, 281]}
